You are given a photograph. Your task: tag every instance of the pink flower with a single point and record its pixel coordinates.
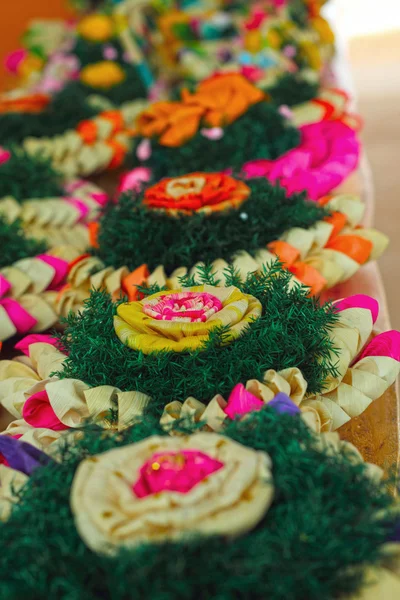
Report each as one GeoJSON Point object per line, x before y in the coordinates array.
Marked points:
{"type": "Point", "coordinates": [38, 412]}
{"type": "Point", "coordinates": [328, 152]}
{"type": "Point", "coordinates": [174, 472]}
{"type": "Point", "coordinates": [5, 155]}
{"type": "Point", "coordinates": [133, 180]}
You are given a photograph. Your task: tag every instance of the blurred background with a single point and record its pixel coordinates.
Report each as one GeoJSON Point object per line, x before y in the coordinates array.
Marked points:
{"type": "Point", "coordinates": [369, 33]}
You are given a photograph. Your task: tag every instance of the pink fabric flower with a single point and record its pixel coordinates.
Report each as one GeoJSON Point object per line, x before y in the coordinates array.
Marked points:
{"type": "Point", "coordinates": [328, 152]}
{"type": "Point", "coordinates": [38, 412]}
{"type": "Point", "coordinates": [174, 472]}
{"type": "Point", "coordinates": [359, 301]}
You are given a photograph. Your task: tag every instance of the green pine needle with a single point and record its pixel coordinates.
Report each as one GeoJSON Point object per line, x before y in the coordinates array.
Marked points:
{"type": "Point", "coordinates": [29, 177]}
{"type": "Point", "coordinates": [327, 523]}
{"type": "Point", "coordinates": [131, 234]}
{"type": "Point", "coordinates": [260, 133]}
{"type": "Point", "coordinates": [15, 245]}
{"type": "Point", "coordinates": [291, 89]}
{"type": "Point", "coordinates": [292, 332]}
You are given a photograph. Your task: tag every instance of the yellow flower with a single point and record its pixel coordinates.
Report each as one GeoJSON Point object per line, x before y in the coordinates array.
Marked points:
{"type": "Point", "coordinates": [103, 74]}
{"type": "Point", "coordinates": [324, 30]}
{"type": "Point", "coordinates": [165, 488]}
{"type": "Point", "coordinates": [311, 53]}
{"type": "Point", "coordinates": [96, 28]}
{"type": "Point", "coordinates": [182, 320]}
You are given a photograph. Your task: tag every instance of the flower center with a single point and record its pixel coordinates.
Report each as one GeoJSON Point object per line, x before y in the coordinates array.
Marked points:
{"type": "Point", "coordinates": [191, 307]}
{"type": "Point", "coordinates": [176, 188]}
{"type": "Point", "coordinates": [174, 472]}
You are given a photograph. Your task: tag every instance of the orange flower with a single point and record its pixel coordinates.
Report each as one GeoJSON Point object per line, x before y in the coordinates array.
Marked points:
{"type": "Point", "coordinates": [197, 193]}
{"type": "Point", "coordinates": [224, 97]}
{"type": "Point", "coordinates": [218, 101]}
{"type": "Point", "coordinates": [173, 122]}
{"type": "Point", "coordinates": [33, 103]}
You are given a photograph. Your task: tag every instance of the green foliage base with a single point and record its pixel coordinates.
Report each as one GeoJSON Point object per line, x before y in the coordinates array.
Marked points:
{"type": "Point", "coordinates": [26, 177]}
{"type": "Point", "coordinates": [15, 245]}
{"type": "Point", "coordinates": [260, 133]}
{"type": "Point", "coordinates": [131, 234]}
{"type": "Point", "coordinates": [326, 525]}
{"type": "Point", "coordinates": [64, 112]}
{"type": "Point", "coordinates": [292, 332]}
{"type": "Point", "coordinates": [291, 89]}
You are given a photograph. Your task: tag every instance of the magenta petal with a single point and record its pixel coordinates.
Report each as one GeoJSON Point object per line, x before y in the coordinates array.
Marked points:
{"type": "Point", "coordinates": [384, 344]}
{"type": "Point", "coordinates": [38, 412]}
{"type": "Point", "coordinates": [241, 402]}
{"type": "Point", "coordinates": [60, 267]}
{"type": "Point", "coordinates": [133, 180]}
{"type": "Point", "coordinates": [359, 301]}
{"type": "Point", "coordinates": [14, 59]}
{"type": "Point", "coordinates": [5, 286]}
{"type": "Point", "coordinates": [34, 338]}
{"type": "Point", "coordinates": [99, 197]}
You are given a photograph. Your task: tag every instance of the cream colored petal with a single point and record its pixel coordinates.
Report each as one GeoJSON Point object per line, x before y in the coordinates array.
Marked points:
{"type": "Point", "coordinates": [351, 206]}
{"type": "Point", "coordinates": [11, 482]}
{"type": "Point", "coordinates": [46, 359]}
{"type": "Point", "coordinates": [67, 398]}
{"type": "Point", "coordinates": [40, 273]}
{"type": "Point", "coordinates": [19, 280]}
{"type": "Point", "coordinates": [379, 584]}
{"type": "Point", "coordinates": [244, 264]}
{"type": "Point", "coordinates": [379, 240]}
{"type": "Point", "coordinates": [229, 502]}
{"type": "Point", "coordinates": [302, 239]}
{"type": "Point", "coordinates": [131, 405]}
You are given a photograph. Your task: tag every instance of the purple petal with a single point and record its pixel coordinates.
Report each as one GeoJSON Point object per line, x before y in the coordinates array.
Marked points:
{"type": "Point", "coordinates": [22, 456]}
{"type": "Point", "coordinates": [283, 404]}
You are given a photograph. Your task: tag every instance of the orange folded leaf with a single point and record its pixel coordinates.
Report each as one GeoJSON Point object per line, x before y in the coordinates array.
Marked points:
{"type": "Point", "coordinates": [309, 276]}
{"type": "Point", "coordinates": [93, 228]}
{"type": "Point", "coordinates": [338, 220]}
{"type": "Point", "coordinates": [87, 130]}
{"type": "Point", "coordinates": [131, 282]}
{"type": "Point", "coordinates": [357, 248]}
{"type": "Point", "coordinates": [286, 253]}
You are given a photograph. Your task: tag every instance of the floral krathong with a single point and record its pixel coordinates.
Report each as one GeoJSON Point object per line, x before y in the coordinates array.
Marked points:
{"type": "Point", "coordinates": [181, 320]}
{"type": "Point", "coordinates": [197, 192]}
{"type": "Point", "coordinates": [145, 491]}
{"type": "Point", "coordinates": [218, 101]}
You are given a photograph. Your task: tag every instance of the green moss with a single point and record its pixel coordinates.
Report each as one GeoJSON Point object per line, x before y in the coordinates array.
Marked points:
{"type": "Point", "coordinates": [291, 89]}
{"type": "Point", "coordinates": [183, 241]}
{"type": "Point", "coordinates": [292, 332]}
{"type": "Point", "coordinates": [326, 524]}
{"type": "Point", "coordinates": [15, 245]}
{"type": "Point", "coordinates": [26, 177]}
{"type": "Point", "coordinates": [260, 133]}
